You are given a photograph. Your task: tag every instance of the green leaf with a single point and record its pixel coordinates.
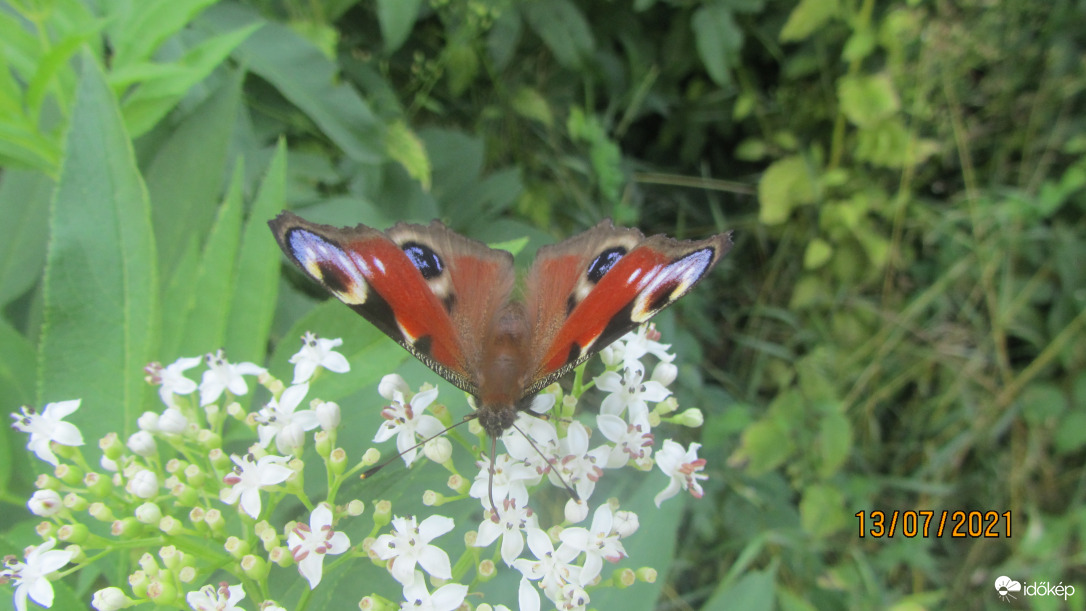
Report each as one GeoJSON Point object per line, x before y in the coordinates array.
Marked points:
{"type": "Point", "coordinates": [257, 281]}
{"type": "Point", "coordinates": [766, 444]}
{"type": "Point", "coordinates": [135, 35]}
{"type": "Point", "coordinates": [100, 288]}
{"type": "Point", "coordinates": [822, 510]}
{"type": "Point", "coordinates": [787, 183]}
{"type": "Point", "coordinates": [24, 206]}
{"type": "Point", "coordinates": [718, 40]}
{"type": "Point", "coordinates": [808, 16]}
{"type": "Point", "coordinates": [563, 29]}
{"type": "Point", "coordinates": [208, 298]}
{"type": "Point", "coordinates": [404, 146]}
{"type": "Point", "coordinates": [867, 99]}
{"type": "Point", "coordinates": [754, 591]}
{"type": "Point", "coordinates": [529, 103]}
{"type": "Point", "coordinates": [186, 173]}
{"type": "Point", "coordinates": [834, 443]}
{"type": "Point", "coordinates": [396, 18]}
{"type": "Point", "coordinates": [818, 252]}
{"type": "Point", "coordinates": [154, 97]}
{"type": "Point", "coordinates": [18, 375]}
{"type": "Point", "coordinates": [298, 69]}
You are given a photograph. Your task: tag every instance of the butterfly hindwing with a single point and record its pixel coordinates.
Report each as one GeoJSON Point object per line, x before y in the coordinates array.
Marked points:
{"type": "Point", "coordinates": [621, 280]}
{"type": "Point", "coordinates": [408, 282]}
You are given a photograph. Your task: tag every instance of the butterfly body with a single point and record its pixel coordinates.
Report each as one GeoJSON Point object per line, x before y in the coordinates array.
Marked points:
{"type": "Point", "coordinates": [449, 301]}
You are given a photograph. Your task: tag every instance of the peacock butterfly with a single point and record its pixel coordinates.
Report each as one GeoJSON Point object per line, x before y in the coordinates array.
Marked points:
{"type": "Point", "coordinates": [447, 299]}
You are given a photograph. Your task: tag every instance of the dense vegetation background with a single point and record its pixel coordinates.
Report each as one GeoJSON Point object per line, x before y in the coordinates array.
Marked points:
{"type": "Point", "coordinates": [899, 326]}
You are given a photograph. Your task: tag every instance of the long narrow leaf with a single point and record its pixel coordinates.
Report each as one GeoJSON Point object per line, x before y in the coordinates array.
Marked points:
{"type": "Point", "coordinates": [101, 285]}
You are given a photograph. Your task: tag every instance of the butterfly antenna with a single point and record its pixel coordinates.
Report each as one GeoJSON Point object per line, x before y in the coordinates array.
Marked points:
{"type": "Point", "coordinates": [490, 484]}
{"type": "Point", "coordinates": [569, 489]}
{"type": "Point", "coordinates": [369, 472]}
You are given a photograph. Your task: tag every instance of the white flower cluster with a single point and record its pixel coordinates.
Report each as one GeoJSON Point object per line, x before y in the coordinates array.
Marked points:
{"type": "Point", "coordinates": [166, 487]}
{"type": "Point", "coordinates": [560, 452]}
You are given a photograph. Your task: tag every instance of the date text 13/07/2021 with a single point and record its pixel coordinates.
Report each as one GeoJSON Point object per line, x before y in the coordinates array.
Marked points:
{"type": "Point", "coordinates": [931, 523]}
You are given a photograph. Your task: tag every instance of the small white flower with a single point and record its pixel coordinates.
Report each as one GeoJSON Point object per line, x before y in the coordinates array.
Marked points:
{"type": "Point", "coordinates": [542, 448]}
{"type": "Point", "coordinates": [278, 420]}
{"type": "Point", "coordinates": [309, 544]}
{"type": "Point", "coordinates": [222, 375]}
{"type": "Point", "coordinates": [47, 427]}
{"type": "Point", "coordinates": [632, 441]}
{"type": "Point", "coordinates": [317, 352]}
{"type": "Point", "coordinates": [142, 443]}
{"type": "Point", "coordinates": [31, 577]}
{"type": "Point", "coordinates": [208, 598]}
{"type": "Point", "coordinates": [249, 476]}
{"type": "Point", "coordinates": [510, 527]}
{"type": "Point", "coordinates": [171, 378]}
{"type": "Point", "coordinates": [580, 467]}
{"type": "Point", "coordinates": [144, 484]}
{"type": "Point", "coordinates": [448, 597]}
{"type": "Point", "coordinates": [510, 481]}
{"type": "Point", "coordinates": [637, 344]}
{"type": "Point", "coordinates": [110, 599]}
{"type": "Point", "coordinates": [629, 391]}
{"type": "Point", "coordinates": [598, 543]}
{"type": "Point", "coordinates": [392, 384]}
{"type": "Point", "coordinates": [410, 545]}
{"type": "Point", "coordinates": [552, 567]}
{"type": "Point", "coordinates": [571, 597]}
{"type": "Point", "coordinates": [45, 503]}
{"type": "Point", "coordinates": [683, 467]}
{"type": "Point", "coordinates": [405, 420]}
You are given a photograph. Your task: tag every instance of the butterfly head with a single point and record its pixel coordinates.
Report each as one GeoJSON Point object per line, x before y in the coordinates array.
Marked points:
{"type": "Point", "coordinates": [496, 418]}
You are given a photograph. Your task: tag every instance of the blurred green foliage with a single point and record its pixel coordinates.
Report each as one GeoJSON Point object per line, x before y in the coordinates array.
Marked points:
{"type": "Point", "coordinates": [900, 325]}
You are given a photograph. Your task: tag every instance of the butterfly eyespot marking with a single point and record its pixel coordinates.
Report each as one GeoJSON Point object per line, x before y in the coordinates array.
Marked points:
{"type": "Point", "coordinates": [604, 262]}
{"type": "Point", "coordinates": [424, 259]}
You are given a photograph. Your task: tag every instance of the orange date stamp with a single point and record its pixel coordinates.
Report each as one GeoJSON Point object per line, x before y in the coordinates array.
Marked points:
{"type": "Point", "coordinates": [929, 523]}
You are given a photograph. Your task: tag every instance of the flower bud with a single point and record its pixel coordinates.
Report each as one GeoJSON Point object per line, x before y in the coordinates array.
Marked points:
{"type": "Point", "coordinates": [148, 513]}
{"type": "Point", "coordinates": [438, 450]}
{"type": "Point", "coordinates": [101, 512]}
{"type": "Point", "coordinates": [236, 547]}
{"type": "Point", "coordinates": [46, 530]}
{"type": "Point", "coordinates": [692, 418]}
{"type": "Point", "coordinates": [355, 508]}
{"type": "Point", "coordinates": [148, 422]}
{"type": "Point", "coordinates": [173, 421]}
{"type": "Point", "coordinates": [69, 474]}
{"type": "Point", "coordinates": [45, 503]}
{"type": "Point", "coordinates": [111, 446]}
{"type": "Point", "coordinates": [144, 484]}
{"type": "Point", "coordinates": [163, 593]}
{"type": "Point", "coordinates": [625, 523]}
{"type": "Point", "coordinates": [255, 567]}
{"type": "Point", "coordinates": [576, 511]}
{"type": "Point", "coordinates": [328, 414]}
{"type": "Point", "coordinates": [75, 502]}
{"type": "Point", "coordinates": [171, 526]}
{"type": "Point", "coordinates": [322, 441]}
{"type": "Point", "coordinates": [111, 599]}
{"type": "Point", "coordinates": [338, 461]}
{"type": "Point", "coordinates": [73, 533]}
{"type": "Point", "coordinates": [142, 443]}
